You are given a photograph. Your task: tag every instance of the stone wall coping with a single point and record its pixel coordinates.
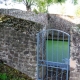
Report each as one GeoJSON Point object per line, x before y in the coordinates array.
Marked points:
{"type": "Point", "coordinates": [31, 16]}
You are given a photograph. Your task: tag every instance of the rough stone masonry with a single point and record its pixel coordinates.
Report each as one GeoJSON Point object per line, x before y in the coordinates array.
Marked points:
{"type": "Point", "coordinates": [18, 40]}
{"type": "Point", "coordinates": [18, 44]}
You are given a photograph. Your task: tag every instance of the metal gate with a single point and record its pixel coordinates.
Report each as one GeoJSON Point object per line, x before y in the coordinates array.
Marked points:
{"type": "Point", "coordinates": [53, 53]}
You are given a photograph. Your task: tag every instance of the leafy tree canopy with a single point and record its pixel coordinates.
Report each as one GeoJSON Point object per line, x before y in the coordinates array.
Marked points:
{"type": "Point", "coordinates": [42, 5]}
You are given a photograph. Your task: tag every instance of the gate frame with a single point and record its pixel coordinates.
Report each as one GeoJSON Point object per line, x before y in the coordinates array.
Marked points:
{"type": "Point", "coordinates": [68, 66]}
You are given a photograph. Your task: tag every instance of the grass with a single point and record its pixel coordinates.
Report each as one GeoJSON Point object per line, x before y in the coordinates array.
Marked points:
{"type": "Point", "coordinates": [8, 73]}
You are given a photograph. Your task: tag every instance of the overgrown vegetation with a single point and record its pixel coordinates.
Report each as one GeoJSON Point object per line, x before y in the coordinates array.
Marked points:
{"type": "Point", "coordinates": [4, 18]}
{"type": "Point", "coordinates": [77, 12]}
{"type": "Point", "coordinates": [42, 5]}
{"type": "Point", "coordinates": [8, 73]}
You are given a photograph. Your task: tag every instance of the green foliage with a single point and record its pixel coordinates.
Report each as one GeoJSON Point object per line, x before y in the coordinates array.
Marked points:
{"type": "Point", "coordinates": [3, 76]}
{"type": "Point", "coordinates": [34, 10]}
{"type": "Point", "coordinates": [61, 1]}
{"type": "Point", "coordinates": [8, 73]}
{"type": "Point", "coordinates": [42, 5]}
{"type": "Point", "coordinates": [3, 18]}
{"type": "Point", "coordinates": [77, 12]}
{"type": "Point", "coordinates": [58, 1]}
{"type": "Point", "coordinates": [49, 2]}
{"type": "Point", "coordinates": [75, 2]}
{"type": "Point", "coordinates": [18, 0]}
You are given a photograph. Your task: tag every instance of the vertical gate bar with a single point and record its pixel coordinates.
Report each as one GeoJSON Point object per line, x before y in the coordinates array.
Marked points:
{"type": "Point", "coordinates": [52, 54]}
{"type": "Point", "coordinates": [61, 74]}
{"type": "Point", "coordinates": [69, 51]}
{"type": "Point", "coordinates": [52, 44]}
{"type": "Point", "coordinates": [57, 55]}
{"type": "Point", "coordinates": [58, 47]}
{"type": "Point", "coordinates": [62, 47]}
{"type": "Point", "coordinates": [37, 55]}
{"type": "Point", "coordinates": [68, 58]}
{"type": "Point", "coordinates": [62, 53]}
{"type": "Point", "coordinates": [56, 51]}
{"type": "Point", "coordinates": [67, 70]}
{"type": "Point", "coordinates": [47, 55]}
{"type": "Point", "coordinates": [42, 53]}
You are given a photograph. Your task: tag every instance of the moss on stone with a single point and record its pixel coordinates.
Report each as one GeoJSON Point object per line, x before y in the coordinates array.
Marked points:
{"type": "Point", "coordinates": [12, 74]}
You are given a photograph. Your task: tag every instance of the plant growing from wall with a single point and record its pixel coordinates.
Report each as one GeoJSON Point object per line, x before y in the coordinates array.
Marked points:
{"type": "Point", "coordinates": [8, 73]}
{"type": "Point", "coordinates": [3, 76]}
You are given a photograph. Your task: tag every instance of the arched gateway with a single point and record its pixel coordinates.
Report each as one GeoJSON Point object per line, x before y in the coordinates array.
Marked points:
{"type": "Point", "coordinates": [53, 53]}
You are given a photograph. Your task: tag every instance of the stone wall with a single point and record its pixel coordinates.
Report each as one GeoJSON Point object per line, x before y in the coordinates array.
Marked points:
{"type": "Point", "coordinates": [68, 25]}
{"type": "Point", "coordinates": [59, 22]}
{"type": "Point", "coordinates": [75, 54]}
{"type": "Point", "coordinates": [18, 44]}
{"type": "Point", "coordinates": [18, 41]}
{"type": "Point", "coordinates": [31, 16]}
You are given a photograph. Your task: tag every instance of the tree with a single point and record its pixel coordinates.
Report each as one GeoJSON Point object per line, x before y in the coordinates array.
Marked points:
{"type": "Point", "coordinates": [28, 3]}
{"type": "Point", "coordinates": [75, 2]}
{"type": "Point", "coordinates": [42, 5]}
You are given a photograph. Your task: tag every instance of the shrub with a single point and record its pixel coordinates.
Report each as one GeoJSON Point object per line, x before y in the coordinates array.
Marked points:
{"type": "Point", "coordinates": [3, 76]}
{"type": "Point", "coordinates": [77, 11]}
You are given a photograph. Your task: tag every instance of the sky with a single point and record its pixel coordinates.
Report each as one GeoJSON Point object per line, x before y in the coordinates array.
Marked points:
{"type": "Point", "coordinates": [8, 4]}
{"type": "Point", "coordinates": [67, 9]}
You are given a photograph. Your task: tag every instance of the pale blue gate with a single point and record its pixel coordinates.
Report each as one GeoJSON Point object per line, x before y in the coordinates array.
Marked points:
{"type": "Point", "coordinates": [53, 54]}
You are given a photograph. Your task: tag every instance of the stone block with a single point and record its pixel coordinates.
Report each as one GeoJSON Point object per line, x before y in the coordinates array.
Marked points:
{"type": "Point", "coordinates": [26, 52]}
